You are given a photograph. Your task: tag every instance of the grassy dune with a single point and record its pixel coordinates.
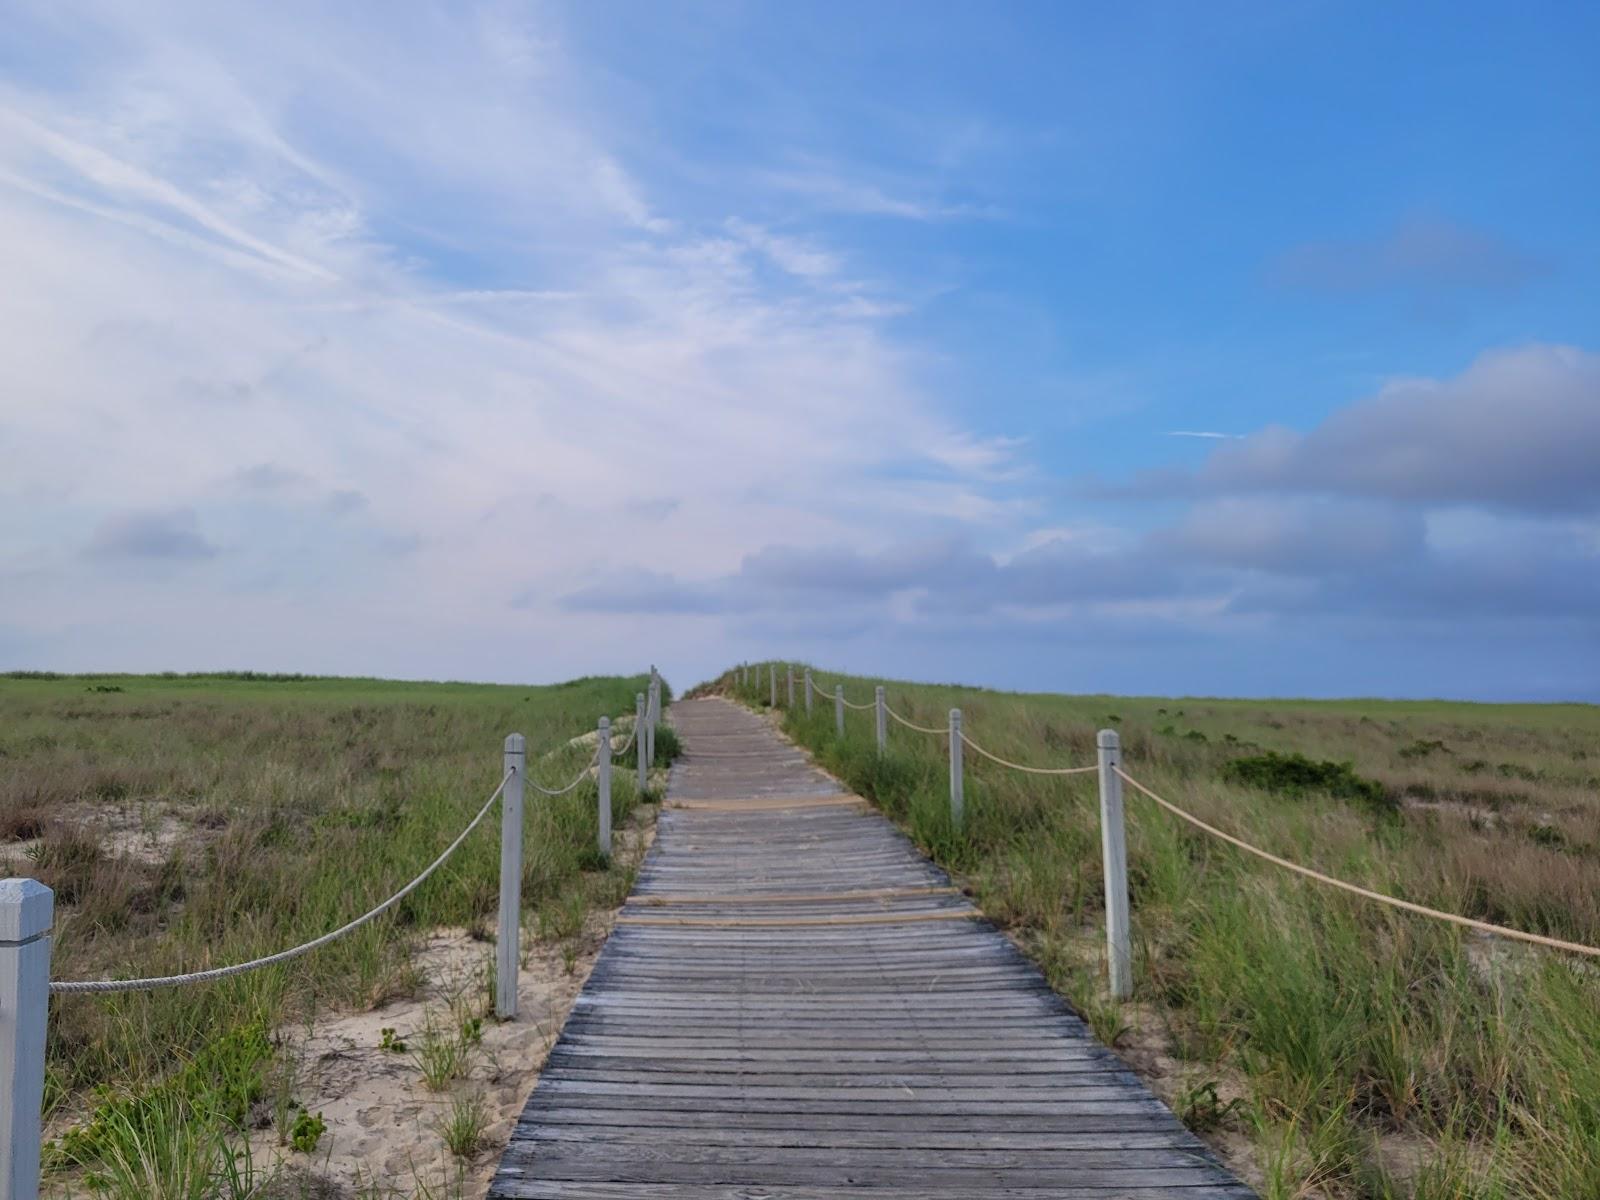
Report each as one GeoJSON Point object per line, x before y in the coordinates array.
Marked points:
{"type": "Point", "coordinates": [194, 821]}
{"type": "Point", "coordinates": [1329, 1046]}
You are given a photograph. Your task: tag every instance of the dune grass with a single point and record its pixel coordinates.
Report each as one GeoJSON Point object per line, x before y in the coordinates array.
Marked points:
{"type": "Point", "coordinates": [193, 821]}
{"type": "Point", "coordinates": [1329, 1046]}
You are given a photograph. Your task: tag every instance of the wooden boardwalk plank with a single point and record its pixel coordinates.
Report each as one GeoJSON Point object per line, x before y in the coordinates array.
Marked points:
{"type": "Point", "coordinates": [796, 1005]}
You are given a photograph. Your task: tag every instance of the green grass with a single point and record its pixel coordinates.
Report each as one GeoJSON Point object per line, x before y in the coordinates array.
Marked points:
{"type": "Point", "coordinates": [1373, 1054]}
{"type": "Point", "coordinates": [188, 821]}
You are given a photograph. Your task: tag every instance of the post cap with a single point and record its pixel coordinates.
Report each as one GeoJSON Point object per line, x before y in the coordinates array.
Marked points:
{"type": "Point", "coordinates": [955, 714]}
{"type": "Point", "coordinates": [605, 722]}
{"type": "Point", "coordinates": [516, 744]}
{"type": "Point", "coordinates": [26, 907]}
{"type": "Point", "coordinates": [1107, 739]}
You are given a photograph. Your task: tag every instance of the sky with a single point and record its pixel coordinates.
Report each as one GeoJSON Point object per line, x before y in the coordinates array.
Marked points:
{"type": "Point", "coordinates": [1224, 349]}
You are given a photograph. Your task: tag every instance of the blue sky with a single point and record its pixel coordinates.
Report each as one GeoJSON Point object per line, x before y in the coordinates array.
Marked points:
{"type": "Point", "coordinates": [516, 341]}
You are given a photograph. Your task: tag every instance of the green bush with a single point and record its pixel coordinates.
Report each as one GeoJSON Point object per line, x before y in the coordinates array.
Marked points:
{"type": "Point", "coordinates": [1295, 775]}
{"type": "Point", "coordinates": [668, 747]}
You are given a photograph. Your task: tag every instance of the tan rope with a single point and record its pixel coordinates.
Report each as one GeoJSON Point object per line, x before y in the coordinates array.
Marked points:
{"type": "Point", "coordinates": [1537, 939]}
{"type": "Point", "coordinates": [900, 893]}
{"type": "Point", "coordinates": [913, 724]}
{"type": "Point", "coordinates": [944, 914]}
{"type": "Point", "coordinates": [860, 707]}
{"type": "Point", "coordinates": [1006, 762]}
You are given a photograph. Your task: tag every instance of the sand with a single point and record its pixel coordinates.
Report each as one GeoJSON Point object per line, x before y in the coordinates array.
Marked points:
{"type": "Point", "coordinates": [382, 1121]}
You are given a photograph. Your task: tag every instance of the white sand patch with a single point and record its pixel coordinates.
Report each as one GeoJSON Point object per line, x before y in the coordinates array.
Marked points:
{"type": "Point", "coordinates": [382, 1121]}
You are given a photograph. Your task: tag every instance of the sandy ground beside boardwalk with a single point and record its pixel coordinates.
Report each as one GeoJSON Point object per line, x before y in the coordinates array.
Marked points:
{"type": "Point", "coordinates": [383, 1137]}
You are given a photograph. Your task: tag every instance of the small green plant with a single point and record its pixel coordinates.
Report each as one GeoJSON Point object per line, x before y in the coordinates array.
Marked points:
{"type": "Point", "coordinates": [1548, 835]}
{"type": "Point", "coordinates": [391, 1041]}
{"type": "Point", "coordinates": [440, 1053]}
{"type": "Point", "coordinates": [1202, 1109]}
{"type": "Point", "coordinates": [1423, 747]}
{"type": "Point", "coordinates": [668, 747]}
{"type": "Point", "coordinates": [171, 1148]}
{"type": "Point", "coordinates": [590, 859]}
{"type": "Point", "coordinates": [562, 918]}
{"type": "Point", "coordinates": [307, 1131]}
{"type": "Point", "coordinates": [462, 1128]}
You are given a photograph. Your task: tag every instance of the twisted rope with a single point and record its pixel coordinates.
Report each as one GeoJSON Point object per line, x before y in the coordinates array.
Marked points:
{"type": "Point", "coordinates": [163, 981]}
{"type": "Point", "coordinates": [1537, 939]}
{"type": "Point", "coordinates": [913, 725]}
{"type": "Point", "coordinates": [860, 707]}
{"type": "Point", "coordinates": [632, 737]}
{"type": "Point", "coordinates": [562, 791]}
{"type": "Point", "coordinates": [1006, 762]}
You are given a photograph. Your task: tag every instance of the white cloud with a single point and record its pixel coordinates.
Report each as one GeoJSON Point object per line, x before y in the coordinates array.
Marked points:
{"type": "Point", "coordinates": [391, 323]}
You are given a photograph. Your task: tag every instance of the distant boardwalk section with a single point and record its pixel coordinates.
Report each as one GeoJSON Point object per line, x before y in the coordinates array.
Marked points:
{"type": "Point", "coordinates": [796, 1004]}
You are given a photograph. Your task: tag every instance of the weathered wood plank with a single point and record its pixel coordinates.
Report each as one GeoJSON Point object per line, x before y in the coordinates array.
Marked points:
{"type": "Point", "coordinates": [774, 1045]}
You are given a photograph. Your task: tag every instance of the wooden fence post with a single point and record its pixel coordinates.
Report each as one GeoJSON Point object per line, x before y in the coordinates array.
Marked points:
{"type": "Point", "coordinates": [838, 709]}
{"type": "Point", "coordinates": [652, 710]}
{"type": "Point", "coordinates": [26, 911]}
{"type": "Point", "coordinates": [772, 685]}
{"type": "Point", "coordinates": [789, 673]}
{"type": "Point", "coordinates": [639, 740]}
{"type": "Point", "coordinates": [808, 691]}
{"type": "Point", "coordinates": [880, 710]}
{"type": "Point", "coordinates": [1114, 847]}
{"type": "Point", "coordinates": [957, 794]}
{"type": "Point", "coordinates": [602, 778]}
{"type": "Point", "coordinates": [508, 938]}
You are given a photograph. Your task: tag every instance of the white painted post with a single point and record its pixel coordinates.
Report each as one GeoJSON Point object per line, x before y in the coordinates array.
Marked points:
{"type": "Point", "coordinates": [790, 675]}
{"type": "Point", "coordinates": [772, 686]}
{"type": "Point", "coordinates": [1114, 846]}
{"type": "Point", "coordinates": [652, 712]}
{"type": "Point", "coordinates": [881, 711]}
{"type": "Point", "coordinates": [957, 796]}
{"type": "Point", "coordinates": [508, 939]}
{"type": "Point", "coordinates": [602, 778]}
{"type": "Point", "coordinates": [838, 709]}
{"type": "Point", "coordinates": [26, 910]}
{"type": "Point", "coordinates": [639, 740]}
{"type": "Point", "coordinates": [808, 691]}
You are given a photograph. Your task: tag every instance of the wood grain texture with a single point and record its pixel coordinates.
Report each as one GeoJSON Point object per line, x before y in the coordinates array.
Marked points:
{"type": "Point", "coordinates": [820, 1014]}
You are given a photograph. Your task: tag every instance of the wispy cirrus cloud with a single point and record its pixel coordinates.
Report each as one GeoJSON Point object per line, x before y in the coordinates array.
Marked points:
{"type": "Point", "coordinates": [450, 336]}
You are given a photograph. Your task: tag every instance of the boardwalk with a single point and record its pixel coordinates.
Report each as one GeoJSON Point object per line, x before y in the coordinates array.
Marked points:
{"type": "Point", "coordinates": [796, 1005]}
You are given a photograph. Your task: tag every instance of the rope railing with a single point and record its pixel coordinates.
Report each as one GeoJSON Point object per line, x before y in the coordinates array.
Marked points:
{"type": "Point", "coordinates": [909, 724]}
{"type": "Point", "coordinates": [27, 914]}
{"type": "Point", "coordinates": [618, 752]}
{"type": "Point", "coordinates": [60, 986]}
{"type": "Point", "coordinates": [1112, 776]}
{"type": "Point", "coordinates": [576, 779]}
{"type": "Point", "coordinates": [1490, 927]}
{"type": "Point", "coordinates": [1006, 762]}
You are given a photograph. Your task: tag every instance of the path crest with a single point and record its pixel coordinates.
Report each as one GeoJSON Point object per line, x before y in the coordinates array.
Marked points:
{"type": "Point", "coordinates": [795, 1005]}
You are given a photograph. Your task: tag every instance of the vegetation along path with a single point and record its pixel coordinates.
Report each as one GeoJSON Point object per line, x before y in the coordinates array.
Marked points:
{"type": "Point", "coordinates": [796, 1004]}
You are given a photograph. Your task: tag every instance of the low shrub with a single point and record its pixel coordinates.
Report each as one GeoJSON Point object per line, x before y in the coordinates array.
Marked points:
{"type": "Point", "coordinates": [1295, 775]}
